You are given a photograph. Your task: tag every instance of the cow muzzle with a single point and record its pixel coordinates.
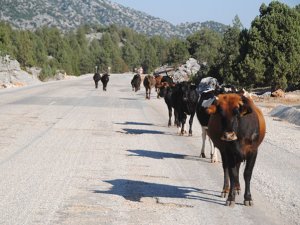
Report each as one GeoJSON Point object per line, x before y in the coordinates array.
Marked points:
{"type": "Point", "coordinates": [229, 136]}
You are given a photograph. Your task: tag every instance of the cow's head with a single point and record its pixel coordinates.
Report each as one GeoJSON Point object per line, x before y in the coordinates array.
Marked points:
{"type": "Point", "coordinates": [162, 89]}
{"type": "Point", "coordinates": [187, 89]}
{"type": "Point", "coordinates": [230, 107]}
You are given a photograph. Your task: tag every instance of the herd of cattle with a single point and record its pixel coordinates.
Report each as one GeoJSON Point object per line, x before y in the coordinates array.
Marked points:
{"type": "Point", "coordinates": [228, 116]}
{"type": "Point", "coordinates": [104, 79]}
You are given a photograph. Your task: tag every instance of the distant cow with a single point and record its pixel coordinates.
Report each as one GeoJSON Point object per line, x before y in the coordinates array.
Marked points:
{"type": "Point", "coordinates": [185, 100]}
{"type": "Point", "coordinates": [237, 128]}
{"type": "Point", "coordinates": [149, 83]}
{"type": "Point", "coordinates": [104, 80]}
{"type": "Point", "coordinates": [97, 78]}
{"type": "Point", "coordinates": [158, 83]}
{"type": "Point", "coordinates": [167, 91]}
{"type": "Point", "coordinates": [136, 82]}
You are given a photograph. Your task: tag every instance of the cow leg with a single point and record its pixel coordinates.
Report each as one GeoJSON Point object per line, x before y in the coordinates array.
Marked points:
{"type": "Point", "coordinates": [226, 175]}
{"type": "Point", "coordinates": [202, 154]}
{"type": "Point", "coordinates": [149, 95]}
{"type": "Point", "coordinates": [233, 176]}
{"type": "Point", "coordinates": [247, 176]}
{"type": "Point", "coordinates": [183, 120]}
{"type": "Point", "coordinates": [237, 181]}
{"type": "Point", "coordinates": [191, 124]}
{"type": "Point", "coordinates": [213, 152]}
{"type": "Point", "coordinates": [175, 118]}
{"type": "Point", "coordinates": [170, 115]}
{"type": "Point", "coordinates": [96, 84]}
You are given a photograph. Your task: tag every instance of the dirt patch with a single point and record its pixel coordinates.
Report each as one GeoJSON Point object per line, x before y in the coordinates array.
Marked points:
{"type": "Point", "coordinates": [290, 99]}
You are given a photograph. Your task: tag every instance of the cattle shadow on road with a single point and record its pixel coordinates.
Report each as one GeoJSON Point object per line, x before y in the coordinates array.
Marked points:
{"type": "Point", "coordinates": [135, 123]}
{"type": "Point", "coordinates": [133, 190]}
{"type": "Point", "coordinates": [131, 99]}
{"type": "Point", "coordinates": [140, 131]}
{"type": "Point", "coordinates": [164, 155]}
{"type": "Point", "coordinates": [155, 155]}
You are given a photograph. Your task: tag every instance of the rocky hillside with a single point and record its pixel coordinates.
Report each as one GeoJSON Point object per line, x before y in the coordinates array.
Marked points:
{"type": "Point", "coordinates": [69, 14]}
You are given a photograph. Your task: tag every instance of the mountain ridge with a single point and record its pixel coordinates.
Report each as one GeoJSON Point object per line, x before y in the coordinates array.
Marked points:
{"type": "Point", "coordinates": [70, 14]}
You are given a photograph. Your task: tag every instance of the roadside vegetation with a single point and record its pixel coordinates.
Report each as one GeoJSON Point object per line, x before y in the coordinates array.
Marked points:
{"type": "Point", "coordinates": [266, 54]}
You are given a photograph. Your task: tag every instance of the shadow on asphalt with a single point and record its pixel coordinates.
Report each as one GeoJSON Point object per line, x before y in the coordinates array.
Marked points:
{"type": "Point", "coordinates": [135, 123]}
{"type": "Point", "coordinates": [133, 190]}
{"type": "Point", "coordinates": [131, 99]}
{"type": "Point", "coordinates": [140, 131]}
{"type": "Point", "coordinates": [165, 155]}
{"type": "Point", "coordinates": [155, 155]}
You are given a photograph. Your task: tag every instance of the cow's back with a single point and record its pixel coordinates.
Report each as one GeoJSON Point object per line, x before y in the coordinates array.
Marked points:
{"type": "Point", "coordinates": [97, 77]}
{"type": "Point", "coordinates": [149, 81]}
{"type": "Point", "coordinates": [105, 78]}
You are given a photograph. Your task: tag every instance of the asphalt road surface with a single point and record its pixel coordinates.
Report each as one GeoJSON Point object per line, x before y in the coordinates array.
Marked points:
{"type": "Point", "coordinates": [73, 154]}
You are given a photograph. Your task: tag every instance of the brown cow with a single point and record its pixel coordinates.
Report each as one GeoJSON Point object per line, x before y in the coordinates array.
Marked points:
{"type": "Point", "coordinates": [237, 128]}
{"type": "Point", "coordinates": [149, 83]}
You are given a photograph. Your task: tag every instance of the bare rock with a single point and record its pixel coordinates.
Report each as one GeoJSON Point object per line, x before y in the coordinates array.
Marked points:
{"type": "Point", "coordinates": [278, 93]}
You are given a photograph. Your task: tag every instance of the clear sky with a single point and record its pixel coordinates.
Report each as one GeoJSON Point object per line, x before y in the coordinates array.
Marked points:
{"type": "Point", "coordinates": [180, 11]}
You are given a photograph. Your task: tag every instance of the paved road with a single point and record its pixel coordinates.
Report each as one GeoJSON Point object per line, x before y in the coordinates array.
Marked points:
{"type": "Point", "coordinates": [71, 154]}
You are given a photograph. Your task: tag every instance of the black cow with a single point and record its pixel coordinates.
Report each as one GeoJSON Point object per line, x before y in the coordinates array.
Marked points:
{"type": "Point", "coordinates": [104, 80]}
{"type": "Point", "coordinates": [166, 91]}
{"type": "Point", "coordinates": [97, 78]}
{"type": "Point", "coordinates": [161, 81]}
{"type": "Point", "coordinates": [237, 128]}
{"type": "Point", "coordinates": [185, 98]}
{"type": "Point", "coordinates": [136, 82]}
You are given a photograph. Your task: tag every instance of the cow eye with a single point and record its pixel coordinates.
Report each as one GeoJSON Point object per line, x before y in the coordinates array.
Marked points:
{"type": "Point", "coordinates": [236, 111]}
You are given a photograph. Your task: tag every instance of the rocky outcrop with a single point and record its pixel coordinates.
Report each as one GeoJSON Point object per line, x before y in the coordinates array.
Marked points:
{"type": "Point", "coordinates": [184, 72]}
{"type": "Point", "coordinates": [11, 75]}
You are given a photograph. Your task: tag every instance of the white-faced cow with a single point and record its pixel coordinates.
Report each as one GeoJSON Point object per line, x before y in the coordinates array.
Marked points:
{"type": "Point", "coordinates": [208, 88]}
{"type": "Point", "coordinates": [237, 128]}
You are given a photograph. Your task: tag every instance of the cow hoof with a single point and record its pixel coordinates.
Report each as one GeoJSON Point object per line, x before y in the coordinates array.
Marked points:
{"type": "Point", "coordinates": [213, 158]}
{"type": "Point", "coordinates": [248, 203]}
{"type": "Point", "coordinates": [223, 194]}
{"type": "Point", "coordinates": [230, 203]}
{"type": "Point", "coordinates": [202, 155]}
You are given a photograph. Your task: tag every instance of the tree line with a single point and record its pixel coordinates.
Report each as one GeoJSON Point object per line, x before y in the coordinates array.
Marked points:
{"type": "Point", "coordinates": [266, 54]}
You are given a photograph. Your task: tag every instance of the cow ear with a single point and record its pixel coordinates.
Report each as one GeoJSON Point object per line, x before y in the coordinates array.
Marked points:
{"type": "Point", "coordinates": [212, 109]}
{"type": "Point", "coordinates": [245, 106]}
